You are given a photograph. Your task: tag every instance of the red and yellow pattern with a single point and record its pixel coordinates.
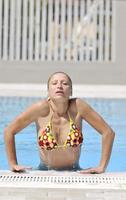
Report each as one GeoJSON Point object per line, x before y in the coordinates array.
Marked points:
{"type": "Point", "coordinates": [47, 141]}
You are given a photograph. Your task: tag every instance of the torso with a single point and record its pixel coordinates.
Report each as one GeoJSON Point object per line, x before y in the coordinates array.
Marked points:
{"type": "Point", "coordinates": [64, 156]}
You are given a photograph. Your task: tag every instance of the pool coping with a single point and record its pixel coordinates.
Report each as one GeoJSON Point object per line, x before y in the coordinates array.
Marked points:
{"type": "Point", "coordinates": [106, 181]}
{"type": "Point", "coordinates": [79, 90]}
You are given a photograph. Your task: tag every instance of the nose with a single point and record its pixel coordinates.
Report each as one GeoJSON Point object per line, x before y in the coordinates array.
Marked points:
{"type": "Point", "coordinates": [59, 85]}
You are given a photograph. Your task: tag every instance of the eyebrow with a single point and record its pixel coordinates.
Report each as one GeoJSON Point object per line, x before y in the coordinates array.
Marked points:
{"type": "Point", "coordinates": [60, 80]}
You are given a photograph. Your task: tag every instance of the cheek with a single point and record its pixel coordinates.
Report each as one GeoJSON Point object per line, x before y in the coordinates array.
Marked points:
{"type": "Point", "coordinates": [69, 91]}
{"type": "Point", "coordinates": [50, 91]}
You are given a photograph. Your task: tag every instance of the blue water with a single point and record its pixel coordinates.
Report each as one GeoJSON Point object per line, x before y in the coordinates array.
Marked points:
{"type": "Point", "coordinates": [112, 110]}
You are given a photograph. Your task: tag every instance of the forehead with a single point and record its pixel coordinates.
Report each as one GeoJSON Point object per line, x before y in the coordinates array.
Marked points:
{"type": "Point", "coordinates": [59, 76]}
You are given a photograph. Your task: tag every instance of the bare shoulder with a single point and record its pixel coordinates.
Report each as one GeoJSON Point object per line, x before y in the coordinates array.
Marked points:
{"type": "Point", "coordinates": [78, 103]}
{"type": "Point", "coordinates": [31, 114]}
{"type": "Point", "coordinates": [80, 106]}
{"type": "Point", "coordinates": [81, 103]}
{"type": "Point", "coordinates": [42, 107]}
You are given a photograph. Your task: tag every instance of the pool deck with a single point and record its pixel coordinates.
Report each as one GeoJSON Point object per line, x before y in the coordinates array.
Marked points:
{"type": "Point", "coordinates": [52, 185]}
{"type": "Point", "coordinates": [105, 80]}
{"type": "Point", "coordinates": [99, 73]}
{"type": "Point", "coordinates": [79, 90]}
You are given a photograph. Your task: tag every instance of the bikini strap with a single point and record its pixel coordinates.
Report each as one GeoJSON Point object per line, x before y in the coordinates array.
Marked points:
{"type": "Point", "coordinates": [71, 121]}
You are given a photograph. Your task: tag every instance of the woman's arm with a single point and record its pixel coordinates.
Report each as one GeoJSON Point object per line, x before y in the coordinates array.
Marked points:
{"type": "Point", "coordinates": [96, 121]}
{"type": "Point", "coordinates": [23, 120]}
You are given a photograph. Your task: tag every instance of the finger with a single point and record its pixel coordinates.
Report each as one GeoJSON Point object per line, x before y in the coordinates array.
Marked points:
{"type": "Point", "coordinates": [89, 171]}
{"type": "Point", "coordinates": [21, 168]}
{"type": "Point", "coordinates": [18, 170]}
{"type": "Point", "coordinates": [94, 172]}
{"type": "Point", "coordinates": [84, 172]}
{"type": "Point", "coordinates": [27, 167]}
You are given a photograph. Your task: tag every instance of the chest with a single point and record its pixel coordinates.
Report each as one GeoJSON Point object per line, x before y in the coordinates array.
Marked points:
{"type": "Point", "coordinates": [60, 128]}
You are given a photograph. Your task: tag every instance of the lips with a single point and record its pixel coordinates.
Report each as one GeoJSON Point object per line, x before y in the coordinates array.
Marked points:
{"type": "Point", "coordinates": [59, 92]}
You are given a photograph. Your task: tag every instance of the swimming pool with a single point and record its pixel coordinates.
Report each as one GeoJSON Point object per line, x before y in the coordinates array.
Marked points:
{"type": "Point", "coordinates": [112, 110]}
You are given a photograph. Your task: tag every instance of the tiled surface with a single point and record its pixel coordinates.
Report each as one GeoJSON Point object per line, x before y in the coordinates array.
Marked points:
{"type": "Point", "coordinates": [23, 190]}
{"type": "Point", "coordinates": [60, 194]}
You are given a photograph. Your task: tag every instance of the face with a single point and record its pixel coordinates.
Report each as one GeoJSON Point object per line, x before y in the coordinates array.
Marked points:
{"type": "Point", "coordinates": [59, 86]}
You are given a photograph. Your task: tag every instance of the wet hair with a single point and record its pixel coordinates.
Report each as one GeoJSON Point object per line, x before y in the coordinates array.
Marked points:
{"type": "Point", "coordinates": [70, 81]}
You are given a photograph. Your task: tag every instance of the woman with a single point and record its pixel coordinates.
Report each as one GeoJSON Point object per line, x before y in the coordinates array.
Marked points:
{"type": "Point", "coordinates": [59, 124]}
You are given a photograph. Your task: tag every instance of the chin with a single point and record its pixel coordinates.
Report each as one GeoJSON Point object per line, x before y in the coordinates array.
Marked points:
{"type": "Point", "coordinates": [59, 98]}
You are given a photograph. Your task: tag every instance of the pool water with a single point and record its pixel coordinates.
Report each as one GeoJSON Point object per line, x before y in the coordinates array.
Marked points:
{"type": "Point", "coordinates": [112, 110]}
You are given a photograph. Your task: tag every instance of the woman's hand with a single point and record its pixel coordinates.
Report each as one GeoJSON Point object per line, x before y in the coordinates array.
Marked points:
{"type": "Point", "coordinates": [20, 168]}
{"type": "Point", "coordinates": [92, 170]}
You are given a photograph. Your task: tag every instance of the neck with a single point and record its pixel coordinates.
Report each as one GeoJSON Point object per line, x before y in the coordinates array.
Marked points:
{"type": "Point", "coordinates": [60, 108]}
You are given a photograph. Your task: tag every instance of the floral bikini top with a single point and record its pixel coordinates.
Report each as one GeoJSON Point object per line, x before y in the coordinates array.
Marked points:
{"type": "Point", "coordinates": [47, 140]}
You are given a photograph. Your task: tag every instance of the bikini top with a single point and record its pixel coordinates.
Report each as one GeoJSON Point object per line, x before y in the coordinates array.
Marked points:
{"type": "Point", "coordinates": [46, 139]}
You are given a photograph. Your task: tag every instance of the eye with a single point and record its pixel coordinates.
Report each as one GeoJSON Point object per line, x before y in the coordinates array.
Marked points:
{"type": "Point", "coordinates": [54, 83]}
{"type": "Point", "coordinates": [65, 83]}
